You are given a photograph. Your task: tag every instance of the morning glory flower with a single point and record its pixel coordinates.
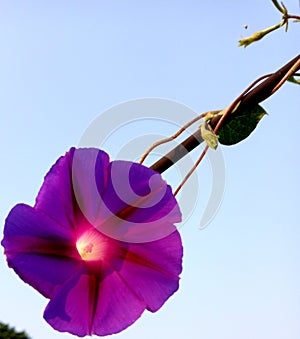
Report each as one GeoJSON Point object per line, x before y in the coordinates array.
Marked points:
{"type": "Point", "coordinates": [100, 243]}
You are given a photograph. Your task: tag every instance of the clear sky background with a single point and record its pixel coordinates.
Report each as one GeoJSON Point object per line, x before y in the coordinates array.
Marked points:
{"type": "Point", "coordinates": [62, 63]}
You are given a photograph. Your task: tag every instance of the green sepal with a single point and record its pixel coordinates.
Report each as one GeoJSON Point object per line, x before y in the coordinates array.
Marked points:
{"type": "Point", "coordinates": [208, 135]}
{"type": "Point", "coordinates": [241, 125]}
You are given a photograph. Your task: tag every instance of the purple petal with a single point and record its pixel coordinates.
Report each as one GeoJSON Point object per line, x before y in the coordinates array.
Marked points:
{"type": "Point", "coordinates": [102, 192]}
{"type": "Point", "coordinates": [132, 184]}
{"type": "Point", "coordinates": [84, 306]}
{"type": "Point", "coordinates": [138, 204]}
{"type": "Point", "coordinates": [152, 269]}
{"type": "Point", "coordinates": [39, 250]}
{"type": "Point", "coordinates": [55, 197]}
{"type": "Point", "coordinates": [89, 176]}
{"type": "Point", "coordinates": [73, 186]}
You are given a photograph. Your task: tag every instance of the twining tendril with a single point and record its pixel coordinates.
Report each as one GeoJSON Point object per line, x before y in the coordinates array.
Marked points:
{"type": "Point", "coordinates": [172, 137]}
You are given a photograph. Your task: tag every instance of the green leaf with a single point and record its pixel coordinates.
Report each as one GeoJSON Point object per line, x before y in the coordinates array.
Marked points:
{"type": "Point", "coordinates": [241, 125]}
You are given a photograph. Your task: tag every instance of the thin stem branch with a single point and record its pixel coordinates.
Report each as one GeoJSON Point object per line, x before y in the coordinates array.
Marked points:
{"type": "Point", "coordinates": [192, 170]}
{"type": "Point", "coordinates": [172, 137]}
{"type": "Point", "coordinates": [296, 17]}
{"type": "Point", "coordinates": [277, 5]}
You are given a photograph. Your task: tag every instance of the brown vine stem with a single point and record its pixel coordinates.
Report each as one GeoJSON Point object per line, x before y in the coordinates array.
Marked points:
{"type": "Point", "coordinates": [248, 99]}
{"type": "Point", "coordinates": [236, 102]}
{"type": "Point", "coordinates": [288, 74]}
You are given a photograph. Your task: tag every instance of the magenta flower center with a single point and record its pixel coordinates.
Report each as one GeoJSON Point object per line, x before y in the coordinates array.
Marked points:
{"type": "Point", "coordinates": [91, 246]}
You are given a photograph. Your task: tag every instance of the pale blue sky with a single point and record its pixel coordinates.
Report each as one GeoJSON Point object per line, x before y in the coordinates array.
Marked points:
{"type": "Point", "coordinates": [62, 63]}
